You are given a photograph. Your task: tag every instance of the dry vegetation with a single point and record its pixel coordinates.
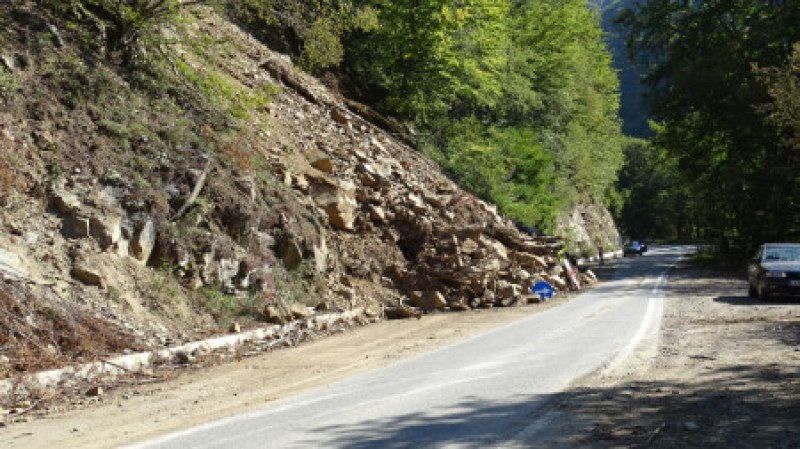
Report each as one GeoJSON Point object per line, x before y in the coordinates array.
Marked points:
{"type": "Point", "coordinates": [41, 331]}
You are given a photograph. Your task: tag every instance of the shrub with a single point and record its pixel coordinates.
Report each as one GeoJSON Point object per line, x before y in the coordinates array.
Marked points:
{"type": "Point", "coordinates": [122, 26]}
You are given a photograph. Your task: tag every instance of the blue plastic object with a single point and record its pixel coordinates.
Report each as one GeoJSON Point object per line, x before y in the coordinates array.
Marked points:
{"type": "Point", "coordinates": [543, 289]}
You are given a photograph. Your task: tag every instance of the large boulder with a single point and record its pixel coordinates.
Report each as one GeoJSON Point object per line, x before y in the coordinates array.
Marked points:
{"type": "Point", "coordinates": [143, 242]}
{"type": "Point", "coordinates": [88, 274]}
{"type": "Point", "coordinates": [340, 204]}
{"type": "Point", "coordinates": [428, 300]}
{"type": "Point", "coordinates": [106, 229]}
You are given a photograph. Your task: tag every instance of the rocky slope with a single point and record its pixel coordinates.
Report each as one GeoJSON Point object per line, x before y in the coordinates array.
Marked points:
{"type": "Point", "coordinates": [116, 240]}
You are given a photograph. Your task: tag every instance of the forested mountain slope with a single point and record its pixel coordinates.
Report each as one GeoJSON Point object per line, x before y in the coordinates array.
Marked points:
{"type": "Point", "coordinates": [722, 79]}
{"type": "Point", "coordinates": [634, 111]}
{"type": "Point", "coordinates": [166, 175]}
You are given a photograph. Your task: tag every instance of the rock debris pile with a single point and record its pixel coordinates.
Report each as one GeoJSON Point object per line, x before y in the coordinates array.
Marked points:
{"type": "Point", "coordinates": [337, 215]}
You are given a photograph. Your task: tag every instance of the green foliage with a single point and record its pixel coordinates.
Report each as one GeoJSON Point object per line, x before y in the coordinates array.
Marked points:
{"type": "Point", "coordinates": [714, 110]}
{"type": "Point", "coordinates": [300, 284]}
{"type": "Point", "coordinates": [55, 171]}
{"type": "Point", "coordinates": [224, 307]}
{"type": "Point", "coordinates": [122, 27]}
{"type": "Point", "coordinates": [113, 294]}
{"type": "Point", "coordinates": [432, 57]}
{"type": "Point", "coordinates": [222, 95]}
{"type": "Point", "coordinates": [497, 88]}
{"type": "Point", "coordinates": [9, 83]}
{"type": "Point", "coordinates": [76, 83]}
{"type": "Point", "coordinates": [310, 30]}
{"type": "Point", "coordinates": [506, 165]}
{"type": "Point", "coordinates": [657, 202]}
{"type": "Point", "coordinates": [164, 285]}
{"type": "Point", "coordinates": [783, 85]}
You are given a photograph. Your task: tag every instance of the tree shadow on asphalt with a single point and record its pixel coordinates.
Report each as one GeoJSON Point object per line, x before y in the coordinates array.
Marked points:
{"type": "Point", "coordinates": [743, 411]}
{"type": "Point", "coordinates": [748, 301]}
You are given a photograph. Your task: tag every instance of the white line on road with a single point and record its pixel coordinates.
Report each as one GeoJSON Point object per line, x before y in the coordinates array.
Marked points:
{"type": "Point", "coordinates": [649, 327]}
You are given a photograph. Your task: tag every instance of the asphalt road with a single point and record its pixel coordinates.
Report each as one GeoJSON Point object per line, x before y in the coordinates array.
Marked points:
{"type": "Point", "coordinates": [488, 391]}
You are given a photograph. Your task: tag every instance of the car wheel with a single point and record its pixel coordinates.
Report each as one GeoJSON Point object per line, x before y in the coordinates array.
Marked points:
{"type": "Point", "coordinates": [751, 291]}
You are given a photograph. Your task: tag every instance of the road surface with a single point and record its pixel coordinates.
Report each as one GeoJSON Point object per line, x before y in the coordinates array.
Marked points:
{"type": "Point", "coordinates": [485, 391]}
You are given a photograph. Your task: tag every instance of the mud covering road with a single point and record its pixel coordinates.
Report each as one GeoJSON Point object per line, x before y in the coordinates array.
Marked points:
{"type": "Point", "coordinates": [724, 372]}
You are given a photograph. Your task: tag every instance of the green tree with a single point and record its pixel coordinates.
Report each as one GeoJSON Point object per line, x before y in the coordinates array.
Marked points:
{"type": "Point", "coordinates": [431, 58]}
{"type": "Point", "coordinates": [656, 200]}
{"type": "Point", "coordinates": [561, 79]}
{"type": "Point", "coordinates": [517, 100]}
{"type": "Point", "coordinates": [783, 85]}
{"type": "Point", "coordinates": [312, 31]}
{"type": "Point", "coordinates": [699, 58]}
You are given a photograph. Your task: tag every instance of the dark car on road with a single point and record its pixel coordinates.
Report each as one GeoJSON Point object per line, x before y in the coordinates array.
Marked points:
{"type": "Point", "coordinates": [775, 270]}
{"type": "Point", "coordinates": [634, 248]}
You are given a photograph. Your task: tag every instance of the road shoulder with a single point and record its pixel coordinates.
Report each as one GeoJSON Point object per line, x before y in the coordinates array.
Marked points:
{"type": "Point", "coordinates": [124, 415]}
{"type": "Point", "coordinates": [724, 373]}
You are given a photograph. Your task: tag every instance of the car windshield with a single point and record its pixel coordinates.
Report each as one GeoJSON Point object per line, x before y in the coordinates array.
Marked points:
{"type": "Point", "coordinates": [782, 253]}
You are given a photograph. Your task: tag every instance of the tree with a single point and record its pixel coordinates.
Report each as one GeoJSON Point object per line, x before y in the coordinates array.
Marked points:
{"type": "Point", "coordinates": [699, 60]}
{"type": "Point", "coordinates": [517, 100]}
{"type": "Point", "coordinates": [562, 80]}
{"type": "Point", "coordinates": [312, 31]}
{"type": "Point", "coordinates": [657, 203]}
{"type": "Point", "coordinates": [783, 85]}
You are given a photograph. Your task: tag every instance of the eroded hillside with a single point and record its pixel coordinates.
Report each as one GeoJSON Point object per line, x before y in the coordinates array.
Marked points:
{"type": "Point", "coordinates": [145, 209]}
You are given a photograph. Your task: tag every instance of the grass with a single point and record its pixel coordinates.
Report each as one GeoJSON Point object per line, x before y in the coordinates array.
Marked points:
{"type": "Point", "coordinates": [9, 83]}
{"type": "Point", "coordinates": [223, 94]}
{"type": "Point", "coordinates": [226, 307]}
{"type": "Point", "coordinates": [299, 284]}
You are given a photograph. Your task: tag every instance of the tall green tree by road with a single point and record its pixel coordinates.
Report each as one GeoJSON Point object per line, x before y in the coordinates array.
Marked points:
{"type": "Point", "coordinates": [710, 99]}
{"type": "Point", "coordinates": [310, 30]}
{"type": "Point", "coordinates": [431, 58]}
{"type": "Point", "coordinates": [516, 99]}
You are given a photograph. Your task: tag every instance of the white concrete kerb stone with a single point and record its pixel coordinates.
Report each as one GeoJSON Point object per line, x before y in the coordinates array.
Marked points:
{"type": "Point", "coordinates": [133, 363]}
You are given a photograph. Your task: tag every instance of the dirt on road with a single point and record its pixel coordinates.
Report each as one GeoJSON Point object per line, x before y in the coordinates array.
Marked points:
{"type": "Point", "coordinates": [725, 372]}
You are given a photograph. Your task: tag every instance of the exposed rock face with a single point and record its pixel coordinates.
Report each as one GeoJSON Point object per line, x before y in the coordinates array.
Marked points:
{"type": "Point", "coordinates": [338, 214]}
{"type": "Point", "coordinates": [340, 205]}
{"type": "Point", "coordinates": [397, 227]}
{"type": "Point", "coordinates": [144, 241]}
{"type": "Point", "coordinates": [589, 227]}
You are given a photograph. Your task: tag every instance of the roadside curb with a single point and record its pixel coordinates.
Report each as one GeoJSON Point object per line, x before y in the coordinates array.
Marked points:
{"type": "Point", "coordinates": [115, 366]}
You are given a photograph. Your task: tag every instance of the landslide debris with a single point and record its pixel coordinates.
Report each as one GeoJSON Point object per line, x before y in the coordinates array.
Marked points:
{"type": "Point", "coordinates": [144, 209]}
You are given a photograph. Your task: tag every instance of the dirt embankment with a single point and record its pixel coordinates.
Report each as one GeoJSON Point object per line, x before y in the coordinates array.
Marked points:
{"type": "Point", "coordinates": [154, 216]}
{"type": "Point", "coordinates": [724, 374]}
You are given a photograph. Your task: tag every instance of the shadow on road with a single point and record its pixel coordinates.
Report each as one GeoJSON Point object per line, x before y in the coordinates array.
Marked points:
{"type": "Point", "coordinates": [748, 301]}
